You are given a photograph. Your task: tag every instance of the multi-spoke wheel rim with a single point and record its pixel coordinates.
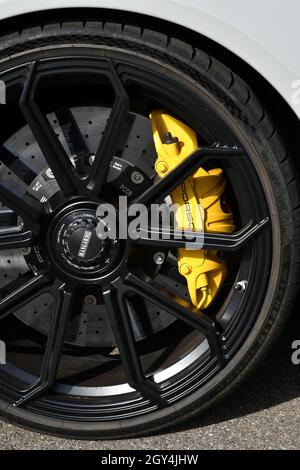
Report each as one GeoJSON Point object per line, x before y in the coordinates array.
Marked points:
{"type": "Point", "coordinates": [219, 335]}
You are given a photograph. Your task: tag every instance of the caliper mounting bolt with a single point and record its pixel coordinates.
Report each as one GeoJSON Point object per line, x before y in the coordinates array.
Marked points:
{"type": "Point", "coordinates": [159, 258]}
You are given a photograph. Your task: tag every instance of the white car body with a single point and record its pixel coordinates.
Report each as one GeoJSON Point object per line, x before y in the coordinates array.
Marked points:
{"type": "Point", "coordinates": [265, 34]}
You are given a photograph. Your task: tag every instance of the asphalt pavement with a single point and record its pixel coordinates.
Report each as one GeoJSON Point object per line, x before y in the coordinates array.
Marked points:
{"type": "Point", "coordinates": [262, 414]}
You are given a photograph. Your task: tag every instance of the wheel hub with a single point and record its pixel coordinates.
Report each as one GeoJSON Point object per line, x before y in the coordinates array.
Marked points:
{"type": "Point", "coordinates": [74, 244]}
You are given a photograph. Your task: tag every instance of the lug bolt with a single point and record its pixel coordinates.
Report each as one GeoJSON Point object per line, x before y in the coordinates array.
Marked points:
{"type": "Point", "coordinates": [26, 251]}
{"type": "Point", "coordinates": [241, 286]}
{"type": "Point", "coordinates": [137, 177]}
{"type": "Point", "coordinates": [185, 269]}
{"type": "Point", "coordinates": [159, 258]}
{"type": "Point", "coordinates": [161, 167]}
{"type": "Point", "coordinates": [90, 300]}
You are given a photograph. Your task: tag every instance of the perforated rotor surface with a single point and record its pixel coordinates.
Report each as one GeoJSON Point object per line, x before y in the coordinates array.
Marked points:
{"type": "Point", "coordinates": [89, 325]}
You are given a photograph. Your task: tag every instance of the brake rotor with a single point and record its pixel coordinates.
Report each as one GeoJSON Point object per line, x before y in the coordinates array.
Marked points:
{"type": "Point", "coordinates": [89, 326]}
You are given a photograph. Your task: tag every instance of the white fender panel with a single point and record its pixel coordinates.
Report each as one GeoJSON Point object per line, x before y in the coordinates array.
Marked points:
{"type": "Point", "coordinates": [264, 33]}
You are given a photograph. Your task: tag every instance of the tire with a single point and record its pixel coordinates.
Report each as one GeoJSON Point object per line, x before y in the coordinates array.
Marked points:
{"type": "Point", "coordinates": [248, 118]}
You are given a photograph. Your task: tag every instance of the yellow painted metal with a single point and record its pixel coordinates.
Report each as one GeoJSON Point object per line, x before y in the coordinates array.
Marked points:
{"type": "Point", "coordinates": [199, 206]}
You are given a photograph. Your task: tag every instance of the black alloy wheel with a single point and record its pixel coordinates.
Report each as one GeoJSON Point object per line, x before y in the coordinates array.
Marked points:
{"type": "Point", "coordinates": [103, 342]}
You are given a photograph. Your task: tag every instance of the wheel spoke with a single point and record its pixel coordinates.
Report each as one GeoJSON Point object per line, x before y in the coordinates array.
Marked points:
{"type": "Point", "coordinates": [14, 240]}
{"type": "Point", "coordinates": [76, 143]}
{"type": "Point", "coordinates": [166, 185]}
{"type": "Point", "coordinates": [110, 138]}
{"type": "Point", "coordinates": [53, 151]}
{"type": "Point", "coordinates": [26, 290]}
{"type": "Point", "coordinates": [199, 240]}
{"type": "Point", "coordinates": [25, 206]}
{"type": "Point", "coordinates": [122, 328]}
{"type": "Point", "coordinates": [15, 164]}
{"type": "Point", "coordinates": [196, 320]}
{"type": "Point", "coordinates": [54, 346]}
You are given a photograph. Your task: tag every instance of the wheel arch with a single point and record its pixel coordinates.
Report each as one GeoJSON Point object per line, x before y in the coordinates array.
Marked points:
{"type": "Point", "coordinates": [273, 100]}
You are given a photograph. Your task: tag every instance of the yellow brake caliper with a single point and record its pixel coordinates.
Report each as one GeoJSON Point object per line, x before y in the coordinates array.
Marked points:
{"type": "Point", "coordinates": [199, 206]}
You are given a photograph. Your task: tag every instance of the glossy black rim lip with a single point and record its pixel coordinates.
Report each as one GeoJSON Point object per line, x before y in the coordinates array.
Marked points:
{"type": "Point", "coordinates": [46, 400]}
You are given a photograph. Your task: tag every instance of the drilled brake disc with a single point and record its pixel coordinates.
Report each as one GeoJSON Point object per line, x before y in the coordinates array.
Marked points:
{"type": "Point", "coordinates": [89, 325]}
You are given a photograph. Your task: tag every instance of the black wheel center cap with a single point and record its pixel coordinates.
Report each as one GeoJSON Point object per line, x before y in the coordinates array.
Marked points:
{"type": "Point", "coordinates": [75, 246]}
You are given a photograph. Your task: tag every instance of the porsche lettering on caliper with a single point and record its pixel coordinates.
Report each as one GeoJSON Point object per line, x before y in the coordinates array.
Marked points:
{"type": "Point", "coordinates": [199, 206]}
